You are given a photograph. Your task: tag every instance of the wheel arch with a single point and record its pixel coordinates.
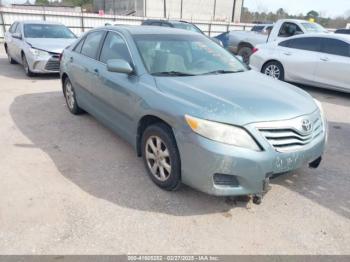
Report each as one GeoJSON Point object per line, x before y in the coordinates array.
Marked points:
{"type": "Point", "coordinates": [269, 61]}
{"type": "Point", "coordinates": [244, 44]}
{"type": "Point", "coordinates": [143, 123]}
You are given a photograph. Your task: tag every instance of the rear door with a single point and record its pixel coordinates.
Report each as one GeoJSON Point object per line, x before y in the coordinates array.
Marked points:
{"type": "Point", "coordinates": [333, 69]}
{"type": "Point", "coordinates": [299, 57]}
{"type": "Point", "coordinates": [82, 62]}
{"type": "Point", "coordinates": [9, 39]}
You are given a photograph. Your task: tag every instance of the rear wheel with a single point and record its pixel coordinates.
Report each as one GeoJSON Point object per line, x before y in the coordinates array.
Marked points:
{"type": "Point", "coordinates": [245, 52]}
{"type": "Point", "coordinates": [161, 156]}
{"type": "Point", "coordinates": [69, 94]}
{"type": "Point", "coordinates": [26, 66]}
{"type": "Point", "coordinates": [274, 69]}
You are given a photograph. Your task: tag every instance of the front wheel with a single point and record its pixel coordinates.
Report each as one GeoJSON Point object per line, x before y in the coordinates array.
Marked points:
{"type": "Point", "coordinates": [26, 66]}
{"type": "Point", "coordinates": [274, 69]}
{"type": "Point", "coordinates": [161, 156]}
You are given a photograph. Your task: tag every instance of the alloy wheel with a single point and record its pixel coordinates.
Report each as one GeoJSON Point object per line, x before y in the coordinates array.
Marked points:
{"type": "Point", "coordinates": [158, 158]}
{"type": "Point", "coordinates": [70, 95]}
{"type": "Point", "coordinates": [273, 71]}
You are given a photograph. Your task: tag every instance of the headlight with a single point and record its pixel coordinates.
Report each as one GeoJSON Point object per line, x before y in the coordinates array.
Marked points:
{"type": "Point", "coordinates": [222, 133]}
{"type": "Point", "coordinates": [319, 105]}
{"type": "Point", "coordinates": [323, 116]}
{"type": "Point", "coordinates": [38, 53]}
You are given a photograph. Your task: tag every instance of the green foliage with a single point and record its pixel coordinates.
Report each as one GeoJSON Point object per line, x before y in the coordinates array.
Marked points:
{"type": "Point", "coordinates": [250, 17]}
{"type": "Point", "coordinates": [77, 2]}
{"type": "Point", "coordinates": [42, 2]}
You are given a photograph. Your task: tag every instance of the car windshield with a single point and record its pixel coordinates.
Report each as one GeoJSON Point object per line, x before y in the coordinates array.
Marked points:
{"type": "Point", "coordinates": [188, 27]}
{"type": "Point", "coordinates": [47, 31]}
{"type": "Point", "coordinates": [314, 28]}
{"type": "Point", "coordinates": [183, 55]}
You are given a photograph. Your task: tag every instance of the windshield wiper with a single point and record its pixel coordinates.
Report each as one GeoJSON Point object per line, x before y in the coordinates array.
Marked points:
{"type": "Point", "coordinates": [172, 73]}
{"type": "Point", "coordinates": [219, 72]}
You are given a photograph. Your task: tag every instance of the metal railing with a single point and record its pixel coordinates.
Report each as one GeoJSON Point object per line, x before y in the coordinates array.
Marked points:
{"type": "Point", "coordinates": [81, 22]}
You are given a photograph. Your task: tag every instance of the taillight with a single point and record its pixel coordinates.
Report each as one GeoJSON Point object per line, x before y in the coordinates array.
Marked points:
{"type": "Point", "coordinates": [255, 50]}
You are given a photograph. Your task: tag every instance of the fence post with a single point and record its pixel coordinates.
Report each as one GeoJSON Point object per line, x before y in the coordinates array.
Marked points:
{"type": "Point", "coordinates": [44, 14]}
{"type": "Point", "coordinates": [3, 22]}
{"type": "Point", "coordinates": [82, 21]}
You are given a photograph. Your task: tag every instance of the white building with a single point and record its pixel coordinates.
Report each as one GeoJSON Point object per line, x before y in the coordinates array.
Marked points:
{"type": "Point", "coordinates": [219, 10]}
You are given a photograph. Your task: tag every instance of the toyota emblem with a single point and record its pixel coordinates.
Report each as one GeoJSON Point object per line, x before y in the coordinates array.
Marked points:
{"type": "Point", "coordinates": [306, 125]}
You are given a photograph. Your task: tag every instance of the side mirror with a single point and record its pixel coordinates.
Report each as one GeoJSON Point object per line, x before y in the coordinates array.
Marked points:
{"type": "Point", "coordinates": [119, 66]}
{"type": "Point", "coordinates": [17, 35]}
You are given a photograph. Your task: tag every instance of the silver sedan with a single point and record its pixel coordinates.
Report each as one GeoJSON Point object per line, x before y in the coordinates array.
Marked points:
{"type": "Point", "coordinates": [317, 59]}
{"type": "Point", "coordinates": [37, 45]}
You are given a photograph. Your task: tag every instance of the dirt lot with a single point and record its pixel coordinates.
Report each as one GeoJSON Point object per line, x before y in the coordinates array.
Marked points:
{"type": "Point", "coordinates": [70, 186]}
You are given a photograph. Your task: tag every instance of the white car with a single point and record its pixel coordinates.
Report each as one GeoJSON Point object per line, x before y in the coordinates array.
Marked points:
{"type": "Point", "coordinates": [321, 60]}
{"type": "Point", "coordinates": [37, 45]}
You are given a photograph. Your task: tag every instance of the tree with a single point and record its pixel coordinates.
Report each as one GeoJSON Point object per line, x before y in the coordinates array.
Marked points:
{"type": "Point", "coordinates": [313, 14]}
{"type": "Point", "coordinates": [42, 2]}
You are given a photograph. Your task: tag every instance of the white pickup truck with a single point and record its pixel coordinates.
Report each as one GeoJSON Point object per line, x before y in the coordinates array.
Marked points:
{"type": "Point", "coordinates": [242, 43]}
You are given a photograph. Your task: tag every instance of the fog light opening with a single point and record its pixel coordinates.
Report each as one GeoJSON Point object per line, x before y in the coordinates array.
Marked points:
{"type": "Point", "coordinates": [226, 180]}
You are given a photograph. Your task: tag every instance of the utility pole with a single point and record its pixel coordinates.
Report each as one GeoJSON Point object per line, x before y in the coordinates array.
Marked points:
{"type": "Point", "coordinates": [214, 10]}
{"type": "Point", "coordinates": [164, 8]}
{"type": "Point", "coordinates": [181, 9]}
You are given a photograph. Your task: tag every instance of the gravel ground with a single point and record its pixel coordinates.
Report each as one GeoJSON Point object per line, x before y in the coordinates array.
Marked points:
{"type": "Point", "coordinates": [71, 186]}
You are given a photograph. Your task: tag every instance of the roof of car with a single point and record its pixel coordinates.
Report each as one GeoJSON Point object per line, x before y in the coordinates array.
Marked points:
{"type": "Point", "coordinates": [38, 22]}
{"type": "Point", "coordinates": [167, 21]}
{"type": "Point", "coordinates": [324, 35]}
{"type": "Point", "coordinates": [145, 30]}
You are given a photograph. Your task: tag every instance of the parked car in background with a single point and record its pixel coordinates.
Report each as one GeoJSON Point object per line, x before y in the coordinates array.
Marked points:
{"type": "Point", "coordinates": [193, 111]}
{"type": "Point", "coordinates": [242, 43]}
{"type": "Point", "coordinates": [37, 45]}
{"type": "Point", "coordinates": [343, 31]}
{"type": "Point", "coordinates": [179, 25]}
{"type": "Point", "coordinates": [321, 60]}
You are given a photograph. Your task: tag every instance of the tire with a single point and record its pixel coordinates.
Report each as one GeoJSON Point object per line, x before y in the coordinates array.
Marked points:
{"type": "Point", "coordinates": [70, 96]}
{"type": "Point", "coordinates": [167, 158]}
{"type": "Point", "coordinates": [245, 52]}
{"type": "Point", "coordinates": [274, 69]}
{"type": "Point", "coordinates": [9, 58]}
{"type": "Point", "coordinates": [27, 70]}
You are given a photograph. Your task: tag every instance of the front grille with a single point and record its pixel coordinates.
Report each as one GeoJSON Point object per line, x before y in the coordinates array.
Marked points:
{"type": "Point", "coordinates": [290, 136]}
{"type": "Point", "coordinates": [53, 64]}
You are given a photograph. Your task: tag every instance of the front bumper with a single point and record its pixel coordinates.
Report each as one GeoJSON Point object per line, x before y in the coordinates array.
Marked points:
{"type": "Point", "coordinates": [201, 159]}
{"type": "Point", "coordinates": [44, 65]}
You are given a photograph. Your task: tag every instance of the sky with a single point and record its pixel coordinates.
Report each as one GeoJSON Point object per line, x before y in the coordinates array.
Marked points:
{"type": "Point", "coordinates": [330, 8]}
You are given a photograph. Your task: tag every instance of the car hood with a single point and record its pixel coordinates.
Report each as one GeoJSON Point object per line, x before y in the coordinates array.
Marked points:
{"type": "Point", "coordinates": [54, 45]}
{"type": "Point", "coordinates": [239, 98]}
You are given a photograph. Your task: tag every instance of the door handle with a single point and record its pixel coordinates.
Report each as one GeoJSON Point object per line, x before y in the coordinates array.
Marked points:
{"type": "Point", "coordinates": [325, 59]}
{"type": "Point", "coordinates": [71, 59]}
{"type": "Point", "coordinates": [287, 53]}
{"type": "Point", "coordinates": [96, 72]}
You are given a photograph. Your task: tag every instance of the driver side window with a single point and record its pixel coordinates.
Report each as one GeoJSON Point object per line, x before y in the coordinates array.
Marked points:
{"type": "Point", "coordinates": [289, 29]}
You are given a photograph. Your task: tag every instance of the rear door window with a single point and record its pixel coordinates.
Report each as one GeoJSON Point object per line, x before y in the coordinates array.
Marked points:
{"type": "Point", "coordinates": [92, 43]}
{"type": "Point", "coordinates": [307, 44]}
{"type": "Point", "coordinates": [335, 47]}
